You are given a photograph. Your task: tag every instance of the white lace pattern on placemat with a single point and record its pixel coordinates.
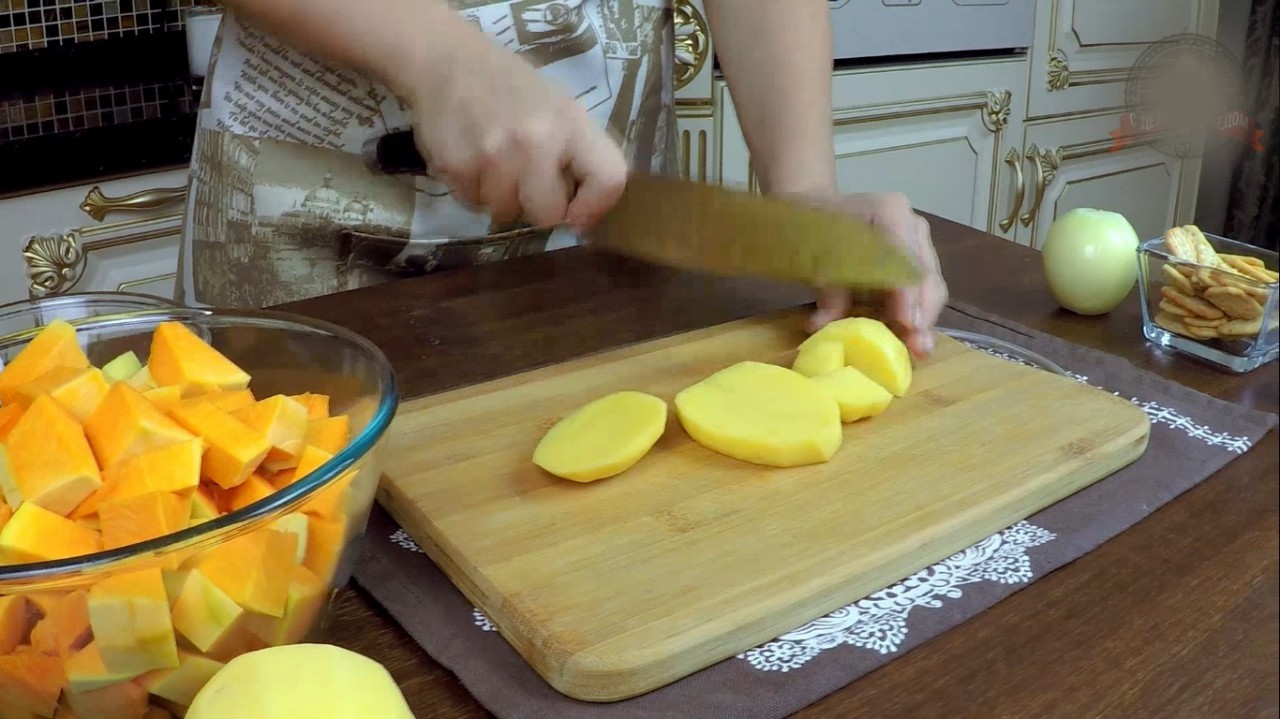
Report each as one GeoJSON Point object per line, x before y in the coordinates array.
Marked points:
{"type": "Point", "coordinates": [878, 622]}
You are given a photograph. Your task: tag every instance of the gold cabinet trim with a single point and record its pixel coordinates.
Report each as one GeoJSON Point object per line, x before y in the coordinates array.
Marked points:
{"type": "Point", "coordinates": [1045, 163]}
{"type": "Point", "coordinates": [692, 43]}
{"type": "Point", "coordinates": [97, 205]}
{"type": "Point", "coordinates": [56, 263]}
{"type": "Point", "coordinates": [1013, 158]}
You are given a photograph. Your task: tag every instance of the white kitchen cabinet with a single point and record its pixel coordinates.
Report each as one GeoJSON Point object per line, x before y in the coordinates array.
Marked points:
{"type": "Point", "coordinates": [1071, 163]}
{"type": "Point", "coordinates": [938, 133]}
{"type": "Point", "coordinates": [1083, 50]}
{"type": "Point", "coordinates": [117, 235]}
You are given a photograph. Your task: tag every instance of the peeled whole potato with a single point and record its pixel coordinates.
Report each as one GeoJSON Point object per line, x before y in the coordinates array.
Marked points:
{"type": "Point", "coordinates": [872, 348]}
{"type": "Point", "coordinates": [300, 681]}
{"type": "Point", "coordinates": [603, 437]}
{"type": "Point", "coordinates": [857, 396]}
{"type": "Point", "coordinates": [763, 414]}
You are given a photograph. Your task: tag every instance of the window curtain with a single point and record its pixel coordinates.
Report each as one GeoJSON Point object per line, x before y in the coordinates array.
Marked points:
{"type": "Point", "coordinates": [1252, 208]}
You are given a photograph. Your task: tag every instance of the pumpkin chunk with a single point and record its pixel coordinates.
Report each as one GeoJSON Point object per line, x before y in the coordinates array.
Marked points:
{"type": "Point", "coordinates": [49, 461]}
{"type": "Point", "coordinates": [141, 517]}
{"type": "Point", "coordinates": [179, 357]}
{"type": "Point", "coordinates": [64, 629]}
{"type": "Point", "coordinates": [283, 421]}
{"type": "Point", "coordinates": [856, 394]}
{"type": "Point", "coordinates": [326, 538]}
{"type": "Point", "coordinates": [603, 437]}
{"type": "Point", "coordinates": [210, 619]}
{"type": "Point", "coordinates": [332, 434]}
{"type": "Point", "coordinates": [253, 569]}
{"type": "Point", "coordinates": [35, 534]}
{"type": "Point", "coordinates": [9, 416]}
{"type": "Point", "coordinates": [317, 404]}
{"type": "Point", "coordinates": [234, 449]}
{"type": "Point", "coordinates": [181, 684]}
{"type": "Point", "coordinates": [86, 671]}
{"type": "Point", "coordinates": [125, 700]}
{"type": "Point", "coordinates": [307, 595]}
{"type": "Point", "coordinates": [129, 614]}
{"type": "Point", "coordinates": [126, 425]}
{"type": "Point", "coordinates": [164, 398]}
{"type": "Point", "coordinates": [123, 367]}
{"type": "Point", "coordinates": [295, 523]}
{"type": "Point", "coordinates": [30, 681]}
{"type": "Point", "coordinates": [249, 491]}
{"type": "Point", "coordinates": [225, 401]}
{"type": "Point", "coordinates": [13, 622]}
{"type": "Point", "coordinates": [174, 468]}
{"type": "Point", "coordinates": [762, 413]}
{"type": "Point", "coordinates": [56, 345]}
{"type": "Point", "coordinates": [79, 390]}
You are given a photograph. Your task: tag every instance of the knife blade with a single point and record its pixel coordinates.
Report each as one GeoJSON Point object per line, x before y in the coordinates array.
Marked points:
{"type": "Point", "coordinates": [714, 229]}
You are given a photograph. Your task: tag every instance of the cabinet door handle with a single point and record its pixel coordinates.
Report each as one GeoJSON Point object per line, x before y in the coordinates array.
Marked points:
{"type": "Point", "coordinates": [97, 205]}
{"type": "Point", "coordinates": [1014, 159]}
{"type": "Point", "coordinates": [1046, 162]}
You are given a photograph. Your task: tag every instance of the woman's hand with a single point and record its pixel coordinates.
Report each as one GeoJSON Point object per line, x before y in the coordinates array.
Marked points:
{"type": "Point", "coordinates": [913, 311]}
{"type": "Point", "coordinates": [509, 141]}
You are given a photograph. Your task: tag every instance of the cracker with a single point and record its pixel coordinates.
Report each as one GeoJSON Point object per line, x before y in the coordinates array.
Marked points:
{"type": "Point", "coordinates": [1176, 279]}
{"type": "Point", "coordinates": [1205, 254]}
{"type": "Point", "coordinates": [1194, 321]}
{"type": "Point", "coordinates": [1173, 309]}
{"type": "Point", "coordinates": [1234, 302]}
{"type": "Point", "coordinates": [1193, 304]}
{"type": "Point", "coordinates": [1180, 244]}
{"type": "Point", "coordinates": [1173, 323]}
{"type": "Point", "coordinates": [1214, 278]}
{"type": "Point", "coordinates": [1239, 328]}
{"type": "Point", "coordinates": [1244, 259]}
{"type": "Point", "coordinates": [1261, 274]}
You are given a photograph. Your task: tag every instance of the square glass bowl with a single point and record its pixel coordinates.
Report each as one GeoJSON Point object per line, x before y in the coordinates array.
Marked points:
{"type": "Point", "coordinates": [1220, 307]}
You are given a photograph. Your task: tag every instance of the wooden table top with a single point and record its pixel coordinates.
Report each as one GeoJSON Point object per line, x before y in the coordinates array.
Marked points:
{"type": "Point", "coordinates": [1086, 641]}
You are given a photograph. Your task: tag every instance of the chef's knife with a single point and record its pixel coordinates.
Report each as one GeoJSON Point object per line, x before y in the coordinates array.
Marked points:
{"type": "Point", "coordinates": [699, 226]}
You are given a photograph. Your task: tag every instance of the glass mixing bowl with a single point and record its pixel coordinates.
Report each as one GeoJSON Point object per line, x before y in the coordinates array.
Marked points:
{"type": "Point", "coordinates": [326, 511]}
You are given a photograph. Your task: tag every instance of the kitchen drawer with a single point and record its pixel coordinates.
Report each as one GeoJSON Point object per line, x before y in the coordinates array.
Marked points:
{"type": "Point", "coordinates": [937, 133]}
{"type": "Point", "coordinates": [119, 234]}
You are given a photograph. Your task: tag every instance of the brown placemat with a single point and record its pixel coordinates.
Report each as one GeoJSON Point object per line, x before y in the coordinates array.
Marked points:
{"type": "Point", "coordinates": [1193, 435]}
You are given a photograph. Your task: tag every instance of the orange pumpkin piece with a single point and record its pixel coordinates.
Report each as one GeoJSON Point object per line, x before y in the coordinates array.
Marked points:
{"type": "Point", "coordinates": [253, 569]}
{"type": "Point", "coordinates": [330, 500]}
{"type": "Point", "coordinates": [9, 415]}
{"type": "Point", "coordinates": [126, 425]}
{"type": "Point", "coordinates": [164, 398]}
{"type": "Point", "coordinates": [6, 512]}
{"type": "Point", "coordinates": [55, 345]}
{"type": "Point", "coordinates": [281, 420]}
{"type": "Point", "coordinates": [250, 491]}
{"type": "Point", "coordinates": [234, 449]}
{"type": "Point", "coordinates": [283, 478]}
{"type": "Point", "coordinates": [180, 685]}
{"type": "Point", "coordinates": [78, 389]}
{"type": "Point", "coordinates": [49, 461]}
{"type": "Point", "coordinates": [173, 468]}
{"type": "Point", "coordinates": [179, 357]}
{"type": "Point", "coordinates": [225, 401]}
{"type": "Point", "coordinates": [141, 517]}
{"type": "Point", "coordinates": [125, 700]}
{"type": "Point", "coordinates": [294, 523]}
{"type": "Point", "coordinates": [208, 617]}
{"type": "Point", "coordinates": [13, 622]}
{"type": "Point", "coordinates": [307, 595]}
{"type": "Point", "coordinates": [204, 506]}
{"type": "Point", "coordinates": [132, 627]}
{"type": "Point", "coordinates": [331, 434]}
{"type": "Point", "coordinates": [30, 681]}
{"type": "Point", "coordinates": [326, 539]}
{"type": "Point", "coordinates": [317, 404]}
{"type": "Point", "coordinates": [64, 629]}
{"type": "Point", "coordinates": [86, 671]}
{"type": "Point", "coordinates": [35, 534]}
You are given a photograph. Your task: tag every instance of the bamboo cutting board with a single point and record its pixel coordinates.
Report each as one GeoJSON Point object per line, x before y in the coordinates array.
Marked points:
{"type": "Point", "coordinates": [618, 587]}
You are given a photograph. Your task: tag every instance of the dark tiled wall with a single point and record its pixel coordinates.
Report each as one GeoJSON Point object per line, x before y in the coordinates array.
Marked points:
{"type": "Point", "coordinates": [64, 111]}
{"type": "Point", "coordinates": [36, 24]}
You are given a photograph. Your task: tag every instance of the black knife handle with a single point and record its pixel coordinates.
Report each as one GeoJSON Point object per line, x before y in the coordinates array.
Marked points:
{"type": "Point", "coordinates": [395, 153]}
